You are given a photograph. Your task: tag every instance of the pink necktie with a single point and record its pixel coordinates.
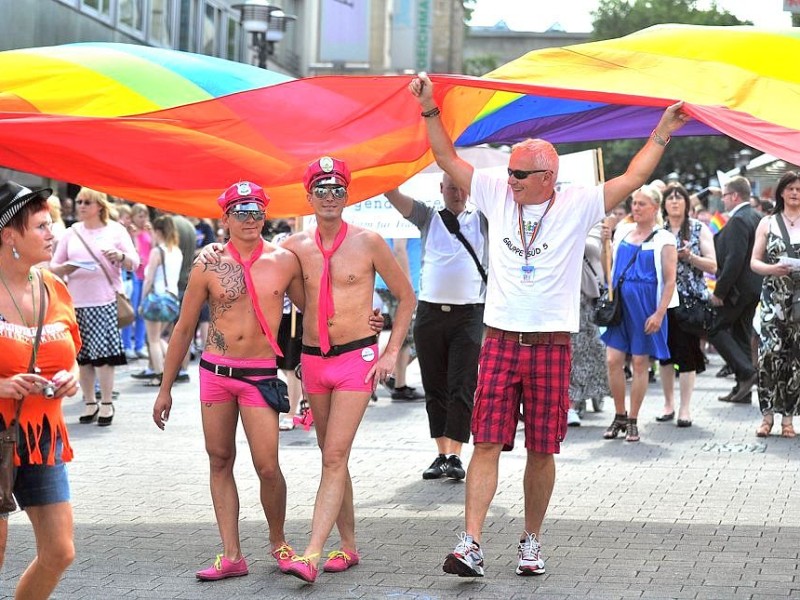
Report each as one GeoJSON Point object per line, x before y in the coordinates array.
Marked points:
{"type": "Point", "coordinates": [251, 289]}
{"type": "Point", "coordinates": [325, 309]}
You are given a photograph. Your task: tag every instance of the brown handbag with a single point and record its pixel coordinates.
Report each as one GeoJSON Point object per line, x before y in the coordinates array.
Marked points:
{"type": "Point", "coordinates": [125, 313]}
{"type": "Point", "coordinates": [9, 436]}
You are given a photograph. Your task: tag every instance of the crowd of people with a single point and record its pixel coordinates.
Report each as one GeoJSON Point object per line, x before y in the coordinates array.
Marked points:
{"type": "Point", "coordinates": [501, 320]}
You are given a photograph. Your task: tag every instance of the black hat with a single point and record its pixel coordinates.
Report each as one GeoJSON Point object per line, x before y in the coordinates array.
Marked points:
{"type": "Point", "coordinates": [14, 196]}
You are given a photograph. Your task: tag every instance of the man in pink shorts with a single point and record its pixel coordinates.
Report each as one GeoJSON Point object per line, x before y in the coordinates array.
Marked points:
{"type": "Point", "coordinates": [240, 348]}
{"type": "Point", "coordinates": [340, 361]}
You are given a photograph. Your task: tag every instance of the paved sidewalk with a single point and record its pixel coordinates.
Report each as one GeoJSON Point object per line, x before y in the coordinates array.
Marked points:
{"type": "Point", "coordinates": [704, 512]}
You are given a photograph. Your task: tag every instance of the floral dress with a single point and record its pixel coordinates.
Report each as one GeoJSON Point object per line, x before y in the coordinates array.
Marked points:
{"type": "Point", "coordinates": [779, 340]}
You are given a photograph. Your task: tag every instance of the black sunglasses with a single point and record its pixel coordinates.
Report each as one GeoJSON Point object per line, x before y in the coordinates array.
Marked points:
{"type": "Point", "coordinates": [243, 215]}
{"type": "Point", "coordinates": [337, 191]}
{"type": "Point", "coordinates": [520, 174]}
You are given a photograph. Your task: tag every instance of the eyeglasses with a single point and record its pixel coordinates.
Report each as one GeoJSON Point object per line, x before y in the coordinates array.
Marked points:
{"type": "Point", "coordinates": [337, 191]}
{"type": "Point", "coordinates": [86, 202]}
{"type": "Point", "coordinates": [727, 194]}
{"type": "Point", "coordinates": [520, 174]}
{"type": "Point", "coordinates": [243, 215]}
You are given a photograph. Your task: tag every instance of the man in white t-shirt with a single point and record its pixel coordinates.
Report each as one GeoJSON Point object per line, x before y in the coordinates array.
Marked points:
{"type": "Point", "coordinates": [449, 322]}
{"type": "Point", "coordinates": [536, 240]}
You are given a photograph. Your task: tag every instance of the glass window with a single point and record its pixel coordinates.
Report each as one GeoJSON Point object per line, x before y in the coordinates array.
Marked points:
{"type": "Point", "coordinates": [131, 14]}
{"type": "Point", "coordinates": [187, 32]}
{"type": "Point", "coordinates": [161, 22]}
{"type": "Point", "coordinates": [210, 42]}
{"type": "Point", "coordinates": [234, 31]}
{"type": "Point", "coordinates": [101, 8]}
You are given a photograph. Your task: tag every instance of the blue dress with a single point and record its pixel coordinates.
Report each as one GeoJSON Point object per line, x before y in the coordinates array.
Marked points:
{"type": "Point", "coordinates": [639, 296]}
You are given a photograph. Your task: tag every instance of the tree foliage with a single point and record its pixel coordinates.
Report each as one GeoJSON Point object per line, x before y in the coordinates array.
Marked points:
{"type": "Point", "coordinates": [616, 18]}
{"type": "Point", "coordinates": [694, 159]}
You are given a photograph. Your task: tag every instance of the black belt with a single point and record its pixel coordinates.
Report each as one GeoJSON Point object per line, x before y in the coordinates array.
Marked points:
{"type": "Point", "coordinates": [450, 307]}
{"type": "Point", "coordinates": [226, 371]}
{"type": "Point", "coordinates": [341, 348]}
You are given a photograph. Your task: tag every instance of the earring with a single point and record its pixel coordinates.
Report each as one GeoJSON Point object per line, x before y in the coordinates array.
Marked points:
{"type": "Point", "coordinates": [14, 252]}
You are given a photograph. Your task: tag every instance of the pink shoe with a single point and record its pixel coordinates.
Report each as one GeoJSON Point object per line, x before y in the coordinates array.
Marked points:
{"type": "Point", "coordinates": [222, 569]}
{"type": "Point", "coordinates": [339, 561]}
{"type": "Point", "coordinates": [284, 556]}
{"type": "Point", "coordinates": [302, 568]}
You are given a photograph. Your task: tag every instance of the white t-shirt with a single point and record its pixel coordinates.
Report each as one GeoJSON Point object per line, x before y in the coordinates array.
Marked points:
{"type": "Point", "coordinates": [173, 260]}
{"type": "Point", "coordinates": [449, 274]}
{"type": "Point", "coordinates": [550, 301]}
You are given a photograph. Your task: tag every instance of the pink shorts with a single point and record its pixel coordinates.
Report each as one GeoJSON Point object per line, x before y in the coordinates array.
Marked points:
{"type": "Point", "coordinates": [218, 388]}
{"type": "Point", "coordinates": [345, 372]}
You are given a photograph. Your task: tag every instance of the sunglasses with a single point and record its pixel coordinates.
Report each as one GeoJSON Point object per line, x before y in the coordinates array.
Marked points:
{"type": "Point", "coordinates": [337, 191]}
{"type": "Point", "coordinates": [243, 215]}
{"type": "Point", "coordinates": [520, 174]}
{"type": "Point", "coordinates": [86, 202]}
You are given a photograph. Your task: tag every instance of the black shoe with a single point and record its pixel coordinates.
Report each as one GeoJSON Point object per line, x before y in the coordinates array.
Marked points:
{"type": "Point", "coordinates": [666, 417]}
{"type": "Point", "coordinates": [684, 422]}
{"type": "Point", "coordinates": [724, 371]}
{"type": "Point", "coordinates": [407, 393]}
{"type": "Point", "coordinates": [651, 376]}
{"type": "Point", "coordinates": [388, 383]}
{"type": "Point", "coordinates": [454, 468]}
{"type": "Point", "coordinates": [143, 374]}
{"type": "Point", "coordinates": [437, 469]}
{"type": "Point", "coordinates": [106, 421]}
{"type": "Point", "coordinates": [86, 419]}
{"type": "Point", "coordinates": [742, 393]}
{"type": "Point", "coordinates": [182, 378]}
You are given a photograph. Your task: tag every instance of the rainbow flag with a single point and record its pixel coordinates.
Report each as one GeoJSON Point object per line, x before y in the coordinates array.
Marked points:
{"type": "Point", "coordinates": [173, 129]}
{"type": "Point", "coordinates": [717, 222]}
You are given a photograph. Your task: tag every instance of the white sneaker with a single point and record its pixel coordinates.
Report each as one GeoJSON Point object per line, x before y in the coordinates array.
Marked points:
{"type": "Point", "coordinates": [573, 419]}
{"type": "Point", "coordinates": [530, 556]}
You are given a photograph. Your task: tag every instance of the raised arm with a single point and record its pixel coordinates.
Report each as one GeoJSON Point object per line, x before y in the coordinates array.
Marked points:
{"type": "Point", "coordinates": [421, 87]}
{"type": "Point", "coordinates": [404, 204]}
{"type": "Point", "coordinates": [646, 160]}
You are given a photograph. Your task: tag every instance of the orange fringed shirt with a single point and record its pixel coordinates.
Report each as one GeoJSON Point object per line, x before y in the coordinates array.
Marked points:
{"type": "Point", "coordinates": [57, 350]}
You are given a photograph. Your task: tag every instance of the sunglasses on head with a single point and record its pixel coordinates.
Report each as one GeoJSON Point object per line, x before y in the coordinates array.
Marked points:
{"type": "Point", "coordinates": [243, 215]}
{"type": "Point", "coordinates": [520, 174]}
{"type": "Point", "coordinates": [337, 191]}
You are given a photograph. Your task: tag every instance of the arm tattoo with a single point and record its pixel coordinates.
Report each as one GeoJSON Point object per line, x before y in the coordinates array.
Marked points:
{"type": "Point", "coordinates": [231, 280]}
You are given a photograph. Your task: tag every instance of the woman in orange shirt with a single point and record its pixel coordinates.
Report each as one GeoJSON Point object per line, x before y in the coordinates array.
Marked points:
{"type": "Point", "coordinates": [41, 487]}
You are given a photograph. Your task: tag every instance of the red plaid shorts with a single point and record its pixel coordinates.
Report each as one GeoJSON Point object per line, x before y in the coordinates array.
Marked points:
{"type": "Point", "coordinates": [536, 378]}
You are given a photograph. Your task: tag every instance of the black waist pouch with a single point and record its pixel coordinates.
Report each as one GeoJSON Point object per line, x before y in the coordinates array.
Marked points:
{"type": "Point", "coordinates": [273, 390]}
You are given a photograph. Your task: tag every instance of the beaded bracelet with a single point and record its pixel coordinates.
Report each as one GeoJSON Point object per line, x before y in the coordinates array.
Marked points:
{"type": "Point", "coordinates": [434, 112]}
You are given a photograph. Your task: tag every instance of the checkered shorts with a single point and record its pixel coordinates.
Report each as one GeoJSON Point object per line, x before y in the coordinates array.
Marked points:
{"type": "Point", "coordinates": [533, 378]}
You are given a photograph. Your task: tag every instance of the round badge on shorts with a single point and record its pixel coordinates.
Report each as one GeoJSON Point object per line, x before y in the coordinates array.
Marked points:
{"type": "Point", "coordinates": [368, 354]}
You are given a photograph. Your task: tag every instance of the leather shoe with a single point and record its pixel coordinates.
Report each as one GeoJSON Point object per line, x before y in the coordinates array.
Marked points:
{"type": "Point", "coordinates": [684, 422]}
{"type": "Point", "coordinates": [741, 392]}
{"type": "Point", "coordinates": [666, 417]}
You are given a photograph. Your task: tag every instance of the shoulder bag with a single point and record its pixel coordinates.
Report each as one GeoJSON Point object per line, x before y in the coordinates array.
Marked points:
{"type": "Point", "coordinates": [608, 307]}
{"type": "Point", "coordinates": [793, 313]}
{"type": "Point", "coordinates": [451, 222]}
{"type": "Point", "coordinates": [9, 436]}
{"type": "Point", "coordinates": [165, 307]}
{"type": "Point", "coordinates": [125, 312]}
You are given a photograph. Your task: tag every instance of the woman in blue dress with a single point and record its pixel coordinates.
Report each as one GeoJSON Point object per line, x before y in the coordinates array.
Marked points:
{"type": "Point", "coordinates": [647, 291]}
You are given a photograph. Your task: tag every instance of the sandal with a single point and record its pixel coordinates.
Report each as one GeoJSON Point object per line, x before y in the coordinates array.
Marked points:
{"type": "Point", "coordinates": [88, 419]}
{"type": "Point", "coordinates": [787, 430]}
{"type": "Point", "coordinates": [633, 431]}
{"type": "Point", "coordinates": [765, 428]}
{"type": "Point", "coordinates": [618, 425]}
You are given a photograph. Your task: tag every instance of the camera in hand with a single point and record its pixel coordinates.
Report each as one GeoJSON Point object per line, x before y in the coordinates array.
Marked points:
{"type": "Point", "coordinates": [49, 390]}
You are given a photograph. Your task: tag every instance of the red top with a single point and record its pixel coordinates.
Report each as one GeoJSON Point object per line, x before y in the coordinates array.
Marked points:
{"type": "Point", "coordinates": [57, 350]}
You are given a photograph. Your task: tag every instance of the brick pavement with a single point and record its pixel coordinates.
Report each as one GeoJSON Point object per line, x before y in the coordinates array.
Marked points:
{"type": "Point", "coordinates": [704, 512]}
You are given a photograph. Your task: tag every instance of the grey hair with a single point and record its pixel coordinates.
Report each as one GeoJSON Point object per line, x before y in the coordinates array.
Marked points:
{"type": "Point", "coordinates": [654, 194]}
{"type": "Point", "coordinates": [542, 152]}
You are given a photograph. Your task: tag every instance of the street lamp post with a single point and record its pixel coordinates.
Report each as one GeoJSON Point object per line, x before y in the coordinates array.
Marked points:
{"type": "Point", "coordinates": [267, 25]}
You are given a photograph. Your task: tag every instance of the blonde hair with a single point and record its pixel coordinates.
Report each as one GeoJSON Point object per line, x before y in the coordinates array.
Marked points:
{"type": "Point", "coordinates": [123, 209]}
{"type": "Point", "coordinates": [654, 194]}
{"type": "Point", "coordinates": [139, 208]}
{"type": "Point", "coordinates": [54, 205]}
{"type": "Point", "coordinates": [101, 198]}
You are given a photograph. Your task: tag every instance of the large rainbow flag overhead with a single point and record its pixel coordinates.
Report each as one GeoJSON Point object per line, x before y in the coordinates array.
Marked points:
{"type": "Point", "coordinates": [173, 129]}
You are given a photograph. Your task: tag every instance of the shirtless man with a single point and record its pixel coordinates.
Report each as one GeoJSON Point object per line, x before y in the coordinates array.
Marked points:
{"type": "Point", "coordinates": [239, 344]}
{"type": "Point", "coordinates": [340, 359]}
